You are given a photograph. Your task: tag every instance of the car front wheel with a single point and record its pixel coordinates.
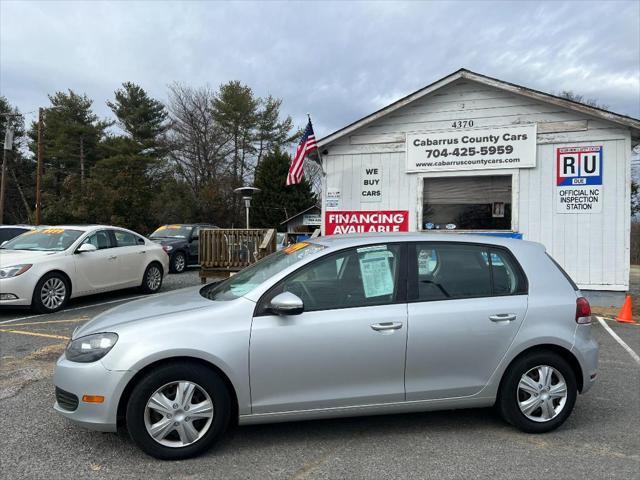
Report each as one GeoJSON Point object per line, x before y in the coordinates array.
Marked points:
{"type": "Point", "coordinates": [538, 392]}
{"type": "Point", "coordinates": [51, 293]}
{"type": "Point", "coordinates": [178, 411]}
{"type": "Point", "coordinates": [178, 262]}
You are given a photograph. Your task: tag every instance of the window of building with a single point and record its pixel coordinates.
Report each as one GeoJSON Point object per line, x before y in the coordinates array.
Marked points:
{"type": "Point", "coordinates": [467, 203]}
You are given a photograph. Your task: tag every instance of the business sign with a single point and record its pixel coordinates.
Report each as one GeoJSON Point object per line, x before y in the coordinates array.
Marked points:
{"type": "Point", "coordinates": [343, 221]}
{"type": "Point", "coordinates": [312, 219]}
{"type": "Point", "coordinates": [332, 200]}
{"type": "Point", "coordinates": [371, 185]}
{"type": "Point", "coordinates": [579, 166]}
{"type": "Point", "coordinates": [579, 179]}
{"type": "Point", "coordinates": [481, 149]}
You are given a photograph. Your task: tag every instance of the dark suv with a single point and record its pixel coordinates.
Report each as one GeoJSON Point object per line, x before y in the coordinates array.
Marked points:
{"type": "Point", "coordinates": [180, 241]}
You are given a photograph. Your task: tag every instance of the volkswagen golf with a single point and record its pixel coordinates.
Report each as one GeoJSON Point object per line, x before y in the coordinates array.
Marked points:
{"type": "Point", "coordinates": [333, 327]}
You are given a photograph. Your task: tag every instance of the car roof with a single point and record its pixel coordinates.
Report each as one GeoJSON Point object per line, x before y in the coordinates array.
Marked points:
{"type": "Point", "coordinates": [354, 240]}
{"type": "Point", "coordinates": [29, 227]}
{"type": "Point", "coordinates": [83, 228]}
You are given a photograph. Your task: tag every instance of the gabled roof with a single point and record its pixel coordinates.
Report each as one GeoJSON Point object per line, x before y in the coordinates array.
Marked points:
{"type": "Point", "coordinates": [300, 213]}
{"type": "Point", "coordinates": [463, 73]}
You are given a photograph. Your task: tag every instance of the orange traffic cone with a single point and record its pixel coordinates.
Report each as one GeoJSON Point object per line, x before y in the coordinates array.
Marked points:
{"type": "Point", "coordinates": [624, 316]}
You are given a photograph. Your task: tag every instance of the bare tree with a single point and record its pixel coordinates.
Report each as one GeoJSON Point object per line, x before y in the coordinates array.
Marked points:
{"type": "Point", "coordinates": [197, 143]}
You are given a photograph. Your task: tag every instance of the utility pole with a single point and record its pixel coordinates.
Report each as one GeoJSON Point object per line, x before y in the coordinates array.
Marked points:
{"type": "Point", "coordinates": [8, 146]}
{"type": "Point", "coordinates": [39, 168]}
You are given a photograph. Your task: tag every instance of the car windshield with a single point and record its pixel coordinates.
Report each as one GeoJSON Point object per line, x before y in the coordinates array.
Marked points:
{"type": "Point", "coordinates": [45, 240]}
{"type": "Point", "coordinates": [173, 231]}
{"type": "Point", "coordinates": [249, 278]}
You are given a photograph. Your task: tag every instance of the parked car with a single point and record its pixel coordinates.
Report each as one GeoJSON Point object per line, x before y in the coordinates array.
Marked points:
{"type": "Point", "coordinates": [338, 326]}
{"type": "Point", "coordinates": [45, 267]}
{"type": "Point", "coordinates": [7, 232]}
{"type": "Point", "coordinates": [181, 242]}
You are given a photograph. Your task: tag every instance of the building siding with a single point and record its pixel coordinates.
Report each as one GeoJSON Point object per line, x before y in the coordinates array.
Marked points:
{"type": "Point", "coordinates": [593, 248]}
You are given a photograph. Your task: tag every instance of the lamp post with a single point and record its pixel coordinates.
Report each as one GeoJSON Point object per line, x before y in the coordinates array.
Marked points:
{"type": "Point", "coordinates": [247, 193]}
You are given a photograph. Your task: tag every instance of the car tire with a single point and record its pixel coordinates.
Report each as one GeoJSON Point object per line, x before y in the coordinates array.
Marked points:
{"type": "Point", "coordinates": [175, 440]}
{"type": "Point", "coordinates": [51, 293]}
{"type": "Point", "coordinates": [152, 279]}
{"type": "Point", "coordinates": [178, 262]}
{"type": "Point", "coordinates": [531, 394]}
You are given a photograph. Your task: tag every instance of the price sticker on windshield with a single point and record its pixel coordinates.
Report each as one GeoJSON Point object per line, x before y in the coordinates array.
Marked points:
{"type": "Point", "coordinates": [295, 247]}
{"type": "Point", "coordinates": [51, 231]}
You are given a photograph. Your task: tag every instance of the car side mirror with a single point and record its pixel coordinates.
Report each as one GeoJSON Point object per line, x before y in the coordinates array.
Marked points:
{"type": "Point", "coordinates": [86, 247]}
{"type": "Point", "coordinates": [2, 244]}
{"type": "Point", "coordinates": [286, 303]}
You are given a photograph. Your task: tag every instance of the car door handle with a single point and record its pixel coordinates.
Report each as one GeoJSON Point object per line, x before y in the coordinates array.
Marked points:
{"type": "Point", "coordinates": [382, 327]}
{"type": "Point", "coordinates": [142, 252]}
{"type": "Point", "coordinates": [503, 317]}
{"type": "Point", "coordinates": [112, 257]}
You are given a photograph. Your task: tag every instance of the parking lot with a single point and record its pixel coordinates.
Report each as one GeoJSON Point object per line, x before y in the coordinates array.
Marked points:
{"type": "Point", "coordinates": [600, 439]}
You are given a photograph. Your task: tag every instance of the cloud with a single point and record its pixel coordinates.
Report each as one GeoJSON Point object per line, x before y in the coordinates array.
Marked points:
{"type": "Point", "coordinates": [337, 60]}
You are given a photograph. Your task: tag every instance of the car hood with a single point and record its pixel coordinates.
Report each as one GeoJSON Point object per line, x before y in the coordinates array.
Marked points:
{"type": "Point", "coordinates": [147, 309]}
{"type": "Point", "coordinates": [169, 241]}
{"type": "Point", "coordinates": [17, 257]}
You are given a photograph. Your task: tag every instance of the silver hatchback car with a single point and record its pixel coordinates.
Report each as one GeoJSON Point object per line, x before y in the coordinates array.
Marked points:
{"type": "Point", "coordinates": [338, 326]}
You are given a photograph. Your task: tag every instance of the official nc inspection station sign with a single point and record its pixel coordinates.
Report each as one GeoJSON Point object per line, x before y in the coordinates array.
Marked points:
{"type": "Point", "coordinates": [579, 179]}
{"type": "Point", "coordinates": [477, 149]}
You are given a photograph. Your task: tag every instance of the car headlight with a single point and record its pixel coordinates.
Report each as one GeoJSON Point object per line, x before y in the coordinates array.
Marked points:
{"type": "Point", "coordinates": [14, 270]}
{"type": "Point", "coordinates": [90, 348]}
{"type": "Point", "coordinates": [167, 248]}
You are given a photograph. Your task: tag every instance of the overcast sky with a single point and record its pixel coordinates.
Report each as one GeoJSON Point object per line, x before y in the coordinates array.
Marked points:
{"type": "Point", "coordinates": [337, 60]}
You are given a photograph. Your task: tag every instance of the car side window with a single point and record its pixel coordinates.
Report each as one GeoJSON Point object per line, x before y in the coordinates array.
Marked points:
{"type": "Point", "coordinates": [356, 277]}
{"type": "Point", "coordinates": [125, 239]}
{"type": "Point", "coordinates": [100, 240]}
{"type": "Point", "coordinates": [454, 271]}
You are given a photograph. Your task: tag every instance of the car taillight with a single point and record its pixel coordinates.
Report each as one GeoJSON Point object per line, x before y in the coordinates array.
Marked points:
{"type": "Point", "coordinates": [583, 311]}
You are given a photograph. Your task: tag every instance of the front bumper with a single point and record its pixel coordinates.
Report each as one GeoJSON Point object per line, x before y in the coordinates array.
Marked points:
{"type": "Point", "coordinates": [91, 379]}
{"type": "Point", "coordinates": [21, 286]}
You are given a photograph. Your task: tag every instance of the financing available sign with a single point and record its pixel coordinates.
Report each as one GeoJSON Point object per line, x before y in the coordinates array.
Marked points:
{"type": "Point", "coordinates": [479, 149]}
{"type": "Point", "coordinates": [364, 221]}
{"type": "Point", "coordinates": [579, 179]}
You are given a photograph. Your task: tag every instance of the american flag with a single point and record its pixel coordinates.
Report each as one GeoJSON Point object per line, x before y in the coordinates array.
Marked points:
{"type": "Point", "coordinates": [306, 146]}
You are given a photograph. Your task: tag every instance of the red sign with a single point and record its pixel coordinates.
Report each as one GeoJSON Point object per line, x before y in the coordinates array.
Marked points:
{"type": "Point", "coordinates": [337, 222]}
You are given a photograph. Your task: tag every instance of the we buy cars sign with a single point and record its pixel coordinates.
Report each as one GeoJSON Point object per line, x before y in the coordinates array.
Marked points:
{"type": "Point", "coordinates": [338, 222]}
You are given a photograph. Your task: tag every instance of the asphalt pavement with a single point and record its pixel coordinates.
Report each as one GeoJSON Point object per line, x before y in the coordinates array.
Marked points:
{"type": "Point", "coordinates": [600, 440]}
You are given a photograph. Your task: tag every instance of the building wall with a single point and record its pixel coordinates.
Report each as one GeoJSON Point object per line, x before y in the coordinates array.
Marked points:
{"type": "Point", "coordinates": [593, 248]}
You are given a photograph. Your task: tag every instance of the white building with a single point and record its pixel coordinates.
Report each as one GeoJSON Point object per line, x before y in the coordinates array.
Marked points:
{"type": "Point", "coordinates": [470, 153]}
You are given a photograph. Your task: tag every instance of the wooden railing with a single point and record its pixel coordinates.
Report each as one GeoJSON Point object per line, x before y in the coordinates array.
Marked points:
{"type": "Point", "coordinates": [226, 250]}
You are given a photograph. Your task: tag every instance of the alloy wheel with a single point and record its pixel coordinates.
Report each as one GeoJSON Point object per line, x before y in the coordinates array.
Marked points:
{"type": "Point", "coordinates": [154, 278]}
{"type": "Point", "coordinates": [53, 293]}
{"type": "Point", "coordinates": [542, 393]}
{"type": "Point", "coordinates": [178, 414]}
{"type": "Point", "coordinates": [179, 263]}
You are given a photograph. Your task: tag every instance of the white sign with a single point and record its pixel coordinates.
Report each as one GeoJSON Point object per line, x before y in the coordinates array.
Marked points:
{"type": "Point", "coordinates": [333, 199]}
{"type": "Point", "coordinates": [480, 149]}
{"type": "Point", "coordinates": [587, 199]}
{"type": "Point", "coordinates": [312, 219]}
{"type": "Point", "coordinates": [371, 186]}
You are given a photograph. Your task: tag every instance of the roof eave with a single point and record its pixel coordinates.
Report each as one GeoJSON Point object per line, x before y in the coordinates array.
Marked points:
{"type": "Point", "coordinates": [623, 120]}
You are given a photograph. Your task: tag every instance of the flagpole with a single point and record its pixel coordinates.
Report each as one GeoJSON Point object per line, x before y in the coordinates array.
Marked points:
{"type": "Point", "coordinates": [317, 148]}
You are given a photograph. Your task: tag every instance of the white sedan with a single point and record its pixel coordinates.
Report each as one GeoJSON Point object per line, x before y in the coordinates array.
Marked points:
{"type": "Point", "coordinates": [46, 267]}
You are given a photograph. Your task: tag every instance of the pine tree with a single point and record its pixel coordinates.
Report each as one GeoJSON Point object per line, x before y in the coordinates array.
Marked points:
{"type": "Point", "coordinates": [276, 202]}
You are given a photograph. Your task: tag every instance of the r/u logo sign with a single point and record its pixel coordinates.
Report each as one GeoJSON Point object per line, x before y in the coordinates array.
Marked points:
{"type": "Point", "coordinates": [579, 166]}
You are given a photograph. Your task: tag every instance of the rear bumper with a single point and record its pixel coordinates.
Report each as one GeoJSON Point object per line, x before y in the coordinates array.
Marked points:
{"type": "Point", "coordinates": [90, 379]}
{"type": "Point", "coordinates": [586, 350]}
